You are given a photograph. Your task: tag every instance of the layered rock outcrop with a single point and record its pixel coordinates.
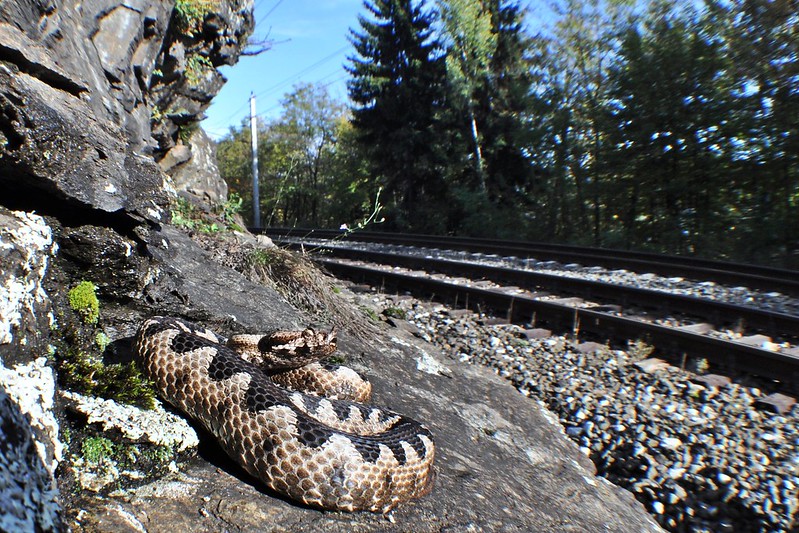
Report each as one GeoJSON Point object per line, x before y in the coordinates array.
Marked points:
{"type": "Point", "coordinates": [94, 93]}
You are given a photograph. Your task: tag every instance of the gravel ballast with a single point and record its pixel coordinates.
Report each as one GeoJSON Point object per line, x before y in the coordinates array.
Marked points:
{"type": "Point", "coordinates": [700, 458]}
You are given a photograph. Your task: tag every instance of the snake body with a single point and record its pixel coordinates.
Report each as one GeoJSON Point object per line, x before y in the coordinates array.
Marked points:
{"type": "Point", "coordinates": [323, 452]}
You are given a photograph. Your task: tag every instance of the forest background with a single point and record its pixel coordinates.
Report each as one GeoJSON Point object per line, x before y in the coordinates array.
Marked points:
{"type": "Point", "coordinates": [669, 126]}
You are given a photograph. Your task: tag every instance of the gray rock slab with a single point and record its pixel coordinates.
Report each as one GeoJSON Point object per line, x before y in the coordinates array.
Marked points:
{"type": "Point", "coordinates": [28, 501]}
{"type": "Point", "coordinates": [205, 288]}
{"type": "Point", "coordinates": [503, 462]}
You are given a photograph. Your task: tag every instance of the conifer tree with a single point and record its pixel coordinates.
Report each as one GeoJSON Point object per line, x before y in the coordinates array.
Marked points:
{"type": "Point", "coordinates": [397, 91]}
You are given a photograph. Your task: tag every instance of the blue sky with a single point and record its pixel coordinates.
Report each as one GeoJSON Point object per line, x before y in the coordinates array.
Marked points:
{"type": "Point", "coordinates": [310, 45]}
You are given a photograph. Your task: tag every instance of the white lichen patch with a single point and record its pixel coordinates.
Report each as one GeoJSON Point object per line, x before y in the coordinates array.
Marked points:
{"type": "Point", "coordinates": [157, 426]}
{"type": "Point", "coordinates": [427, 363]}
{"type": "Point", "coordinates": [31, 239]}
{"type": "Point", "coordinates": [32, 387]}
{"type": "Point", "coordinates": [95, 476]}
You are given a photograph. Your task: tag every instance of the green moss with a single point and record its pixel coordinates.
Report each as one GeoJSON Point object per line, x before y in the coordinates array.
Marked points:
{"type": "Point", "coordinates": [83, 300]}
{"type": "Point", "coordinates": [159, 454]}
{"type": "Point", "coordinates": [369, 312]}
{"type": "Point", "coordinates": [96, 449]}
{"type": "Point", "coordinates": [66, 435]}
{"type": "Point", "coordinates": [336, 359]}
{"type": "Point", "coordinates": [124, 383]}
{"type": "Point", "coordinates": [102, 340]}
{"type": "Point", "coordinates": [394, 312]}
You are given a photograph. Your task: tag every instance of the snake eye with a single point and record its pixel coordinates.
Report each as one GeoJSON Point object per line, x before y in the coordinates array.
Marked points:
{"type": "Point", "coordinates": [266, 344]}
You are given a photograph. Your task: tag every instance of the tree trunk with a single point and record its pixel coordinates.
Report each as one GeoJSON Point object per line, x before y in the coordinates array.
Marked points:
{"type": "Point", "coordinates": [478, 152]}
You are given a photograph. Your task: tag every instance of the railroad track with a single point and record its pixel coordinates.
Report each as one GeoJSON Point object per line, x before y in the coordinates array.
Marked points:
{"type": "Point", "coordinates": [590, 308]}
{"type": "Point", "coordinates": [752, 276]}
{"type": "Point", "coordinates": [698, 453]}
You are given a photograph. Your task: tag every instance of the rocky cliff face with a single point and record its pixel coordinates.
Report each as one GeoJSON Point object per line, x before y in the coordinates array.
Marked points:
{"type": "Point", "coordinates": [93, 94]}
{"type": "Point", "coordinates": [98, 99]}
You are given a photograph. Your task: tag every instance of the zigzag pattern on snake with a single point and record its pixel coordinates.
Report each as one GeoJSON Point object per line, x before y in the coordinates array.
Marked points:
{"type": "Point", "coordinates": [327, 453]}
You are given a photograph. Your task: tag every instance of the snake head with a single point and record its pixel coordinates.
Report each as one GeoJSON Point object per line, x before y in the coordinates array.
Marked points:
{"type": "Point", "coordinates": [293, 349]}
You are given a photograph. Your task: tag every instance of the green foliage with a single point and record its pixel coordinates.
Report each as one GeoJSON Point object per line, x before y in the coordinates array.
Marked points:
{"type": "Point", "coordinates": [191, 14]}
{"type": "Point", "coordinates": [185, 132]}
{"type": "Point", "coordinates": [97, 449]}
{"type": "Point", "coordinates": [87, 374]}
{"type": "Point", "coordinates": [667, 126]}
{"type": "Point", "coordinates": [186, 215]}
{"type": "Point", "coordinates": [197, 66]}
{"type": "Point", "coordinates": [157, 115]}
{"type": "Point", "coordinates": [398, 90]}
{"type": "Point", "coordinates": [395, 312]}
{"type": "Point", "coordinates": [265, 256]}
{"type": "Point", "coordinates": [83, 300]}
{"type": "Point", "coordinates": [701, 365]}
{"type": "Point", "coordinates": [640, 350]}
{"type": "Point", "coordinates": [231, 207]}
{"type": "Point", "coordinates": [370, 313]}
{"type": "Point", "coordinates": [303, 179]}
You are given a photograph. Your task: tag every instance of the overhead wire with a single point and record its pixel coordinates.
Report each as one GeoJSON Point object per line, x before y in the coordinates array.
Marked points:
{"type": "Point", "coordinates": [283, 83]}
{"type": "Point", "coordinates": [286, 81]}
{"type": "Point", "coordinates": [277, 4]}
{"type": "Point", "coordinates": [303, 71]}
{"type": "Point", "coordinates": [263, 114]}
{"type": "Point", "coordinates": [271, 10]}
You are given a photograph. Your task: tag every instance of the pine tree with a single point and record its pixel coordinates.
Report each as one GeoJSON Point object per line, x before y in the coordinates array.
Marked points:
{"type": "Point", "coordinates": [397, 90]}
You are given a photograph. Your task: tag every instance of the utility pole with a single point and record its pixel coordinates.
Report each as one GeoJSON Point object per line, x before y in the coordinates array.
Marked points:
{"type": "Point", "coordinates": [256, 199]}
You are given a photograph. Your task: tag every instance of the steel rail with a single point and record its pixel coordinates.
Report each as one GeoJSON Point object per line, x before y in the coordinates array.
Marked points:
{"type": "Point", "coordinates": [677, 342]}
{"type": "Point", "coordinates": [718, 313]}
{"type": "Point", "coordinates": [752, 276]}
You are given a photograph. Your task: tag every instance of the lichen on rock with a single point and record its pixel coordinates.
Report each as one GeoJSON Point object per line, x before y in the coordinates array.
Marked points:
{"type": "Point", "coordinates": [121, 445]}
{"type": "Point", "coordinates": [26, 245]}
{"type": "Point", "coordinates": [156, 427]}
{"type": "Point", "coordinates": [32, 387]}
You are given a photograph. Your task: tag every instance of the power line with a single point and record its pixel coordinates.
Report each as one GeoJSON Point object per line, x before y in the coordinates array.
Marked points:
{"type": "Point", "coordinates": [272, 10]}
{"type": "Point", "coordinates": [277, 4]}
{"type": "Point", "coordinates": [284, 82]}
{"type": "Point", "coordinates": [303, 71]}
{"type": "Point", "coordinates": [263, 114]}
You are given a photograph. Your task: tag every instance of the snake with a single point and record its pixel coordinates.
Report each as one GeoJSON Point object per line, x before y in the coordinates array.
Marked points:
{"type": "Point", "coordinates": [320, 446]}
